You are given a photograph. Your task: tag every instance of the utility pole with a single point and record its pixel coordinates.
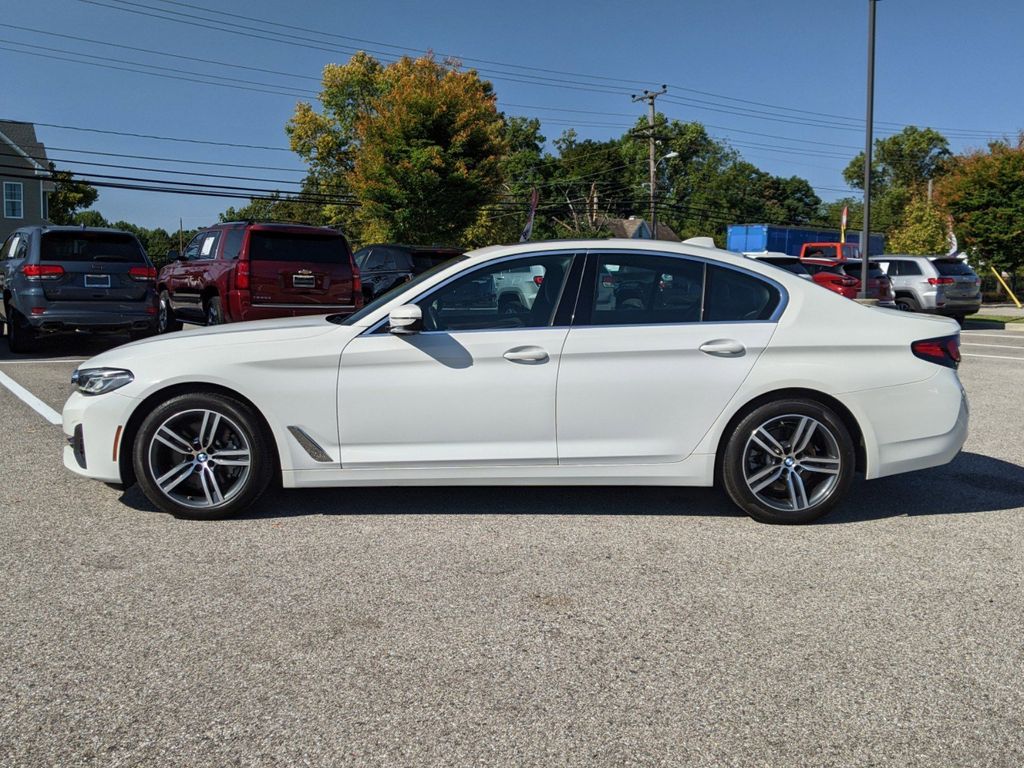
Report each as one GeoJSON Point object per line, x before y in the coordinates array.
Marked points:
{"type": "Point", "coordinates": [865, 235]}
{"type": "Point", "coordinates": [649, 97]}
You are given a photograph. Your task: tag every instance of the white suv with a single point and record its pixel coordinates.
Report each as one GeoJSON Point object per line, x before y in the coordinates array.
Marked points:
{"type": "Point", "coordinates": [938, 285]}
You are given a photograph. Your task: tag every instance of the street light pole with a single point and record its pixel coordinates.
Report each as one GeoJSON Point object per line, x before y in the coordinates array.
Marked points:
{"type": "Point", "coordinates": [865, 235]}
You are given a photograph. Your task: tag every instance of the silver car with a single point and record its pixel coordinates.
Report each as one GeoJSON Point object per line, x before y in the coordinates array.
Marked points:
{"type": "Point", "coordinates": [937, 285]}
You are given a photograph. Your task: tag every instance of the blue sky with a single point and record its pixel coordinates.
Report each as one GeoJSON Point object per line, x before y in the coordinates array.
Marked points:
{"type": "Point", "coordinates": [951, 65]}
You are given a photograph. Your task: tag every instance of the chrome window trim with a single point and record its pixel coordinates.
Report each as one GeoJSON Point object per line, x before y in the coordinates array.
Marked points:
{"type": "Point", "coordinates": [438, 286]}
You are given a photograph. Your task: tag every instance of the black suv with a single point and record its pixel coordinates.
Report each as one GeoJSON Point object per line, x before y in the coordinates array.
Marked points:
{"type": "Point", "coordinates": [70, 279]}
{"type": "Point", "coordinates": [384, 266]}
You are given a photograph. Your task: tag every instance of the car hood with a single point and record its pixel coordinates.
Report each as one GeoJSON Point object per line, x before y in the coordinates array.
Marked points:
{"type": "Point", "coordinates": [181, 343]}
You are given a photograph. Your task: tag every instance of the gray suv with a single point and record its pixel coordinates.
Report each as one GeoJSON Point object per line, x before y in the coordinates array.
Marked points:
{"type": "Point", "coordinates": [942, 286]}
{"type": "Point", "coordinates": [71, 279]}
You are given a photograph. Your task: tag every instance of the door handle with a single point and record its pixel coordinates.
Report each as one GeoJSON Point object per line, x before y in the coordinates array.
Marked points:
{"type": "Point", "coordinates": [526, 355]}
{"type": "Point", "coordinates": [723, 348]}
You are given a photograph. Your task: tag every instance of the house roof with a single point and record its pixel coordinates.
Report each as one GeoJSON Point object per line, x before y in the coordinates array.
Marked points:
{"type": "Point", "coordinates": [21, 138]}
{"type": "Point", "coordinates": [638, 228]}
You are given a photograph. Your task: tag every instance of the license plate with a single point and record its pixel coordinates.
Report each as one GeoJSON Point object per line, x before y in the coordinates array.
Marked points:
{"type": "Point", "coordinates": [97, 281]}
{"type": "Point", "coordinates": [303, 281]}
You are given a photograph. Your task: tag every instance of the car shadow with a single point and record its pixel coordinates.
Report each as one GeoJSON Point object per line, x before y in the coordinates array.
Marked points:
{"type": "Point", "coordinates": [971, 483]}
{"type": "Point", "coordinates": [67, 345]}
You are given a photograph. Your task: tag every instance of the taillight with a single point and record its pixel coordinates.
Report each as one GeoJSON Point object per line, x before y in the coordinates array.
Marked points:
{"type": "Point", "coordinates": [43, 271]}
{"type": "Point", "coordinates": [538, 279]}
{"type": "Point", "coordinates": [941, 281]}
{"type": "Point", "coordinates": [142, 274]}
{"type": "Point", "coordinates": [943, 351]}
{"type": "Point", "coordinates": [242, 276]}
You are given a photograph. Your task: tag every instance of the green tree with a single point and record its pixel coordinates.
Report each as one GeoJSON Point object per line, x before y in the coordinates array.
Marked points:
{"type": "Point", "coordinates": [417, 143]}
{"type": "Point", "coordinates": [68, 196]}
{"type": "Point", "coordinates": [923, 231]}
{"type": "Point", "coordinates": [87, 219]}
{"type": "Point", "coordinates": [984, 194]}
{"type": "Point", "coordinates": [901, 167]}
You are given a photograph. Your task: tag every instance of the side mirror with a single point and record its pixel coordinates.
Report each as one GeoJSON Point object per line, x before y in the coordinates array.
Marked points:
{"type": "Point", "coordinates": [406, 319]}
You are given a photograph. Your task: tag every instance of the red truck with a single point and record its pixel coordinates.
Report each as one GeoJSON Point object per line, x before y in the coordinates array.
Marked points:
{"type": "Point", "coordinates": [837, 266]}
{"type": "Point", "coordinates": [252, 271]}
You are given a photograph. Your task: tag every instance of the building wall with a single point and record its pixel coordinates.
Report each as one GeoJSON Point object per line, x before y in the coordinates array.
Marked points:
{"type": "Point", "coordinates": [31, 191]}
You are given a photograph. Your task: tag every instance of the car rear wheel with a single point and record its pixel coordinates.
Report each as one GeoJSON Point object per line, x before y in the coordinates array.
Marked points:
{"type": "Point", "coordinates": [789, 461]}
{"type": "Point", "coordinates": [165, 320]}
{"type": "Point", "coordinates": [202, 456]}
{"type": "Point", "coordinates": [214, 316]}
{"type": "Point", "coordinates": [907, 304]}
{"type": "Point", "coordinates": [21, 338]}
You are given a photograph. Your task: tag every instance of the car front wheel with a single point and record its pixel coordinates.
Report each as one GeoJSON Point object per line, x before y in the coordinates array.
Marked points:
{"type": "Point", "coordinates": [202, 456]}
{"type": "Point", "coordinates": [789, 461]}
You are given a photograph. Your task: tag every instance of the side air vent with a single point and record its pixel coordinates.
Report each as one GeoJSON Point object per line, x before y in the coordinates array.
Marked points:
{"type": "Point", "coordinates": [309, 445]}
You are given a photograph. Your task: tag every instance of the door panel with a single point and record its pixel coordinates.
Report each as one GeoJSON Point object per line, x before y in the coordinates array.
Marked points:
{"type": "Point", "coordinates": [648, 394]}
{"type": "Point", "coordinates": [449, 399]}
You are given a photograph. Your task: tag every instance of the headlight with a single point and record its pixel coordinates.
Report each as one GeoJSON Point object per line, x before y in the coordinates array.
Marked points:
{"type": "Point", "coordinates": [96, 381]}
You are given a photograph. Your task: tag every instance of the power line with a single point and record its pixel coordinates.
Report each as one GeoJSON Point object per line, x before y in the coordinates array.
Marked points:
{"type": "Point", "coordinates": [161, 138]}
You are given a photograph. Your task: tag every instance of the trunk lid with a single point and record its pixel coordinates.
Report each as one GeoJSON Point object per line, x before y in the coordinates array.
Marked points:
{"type": "Point", "coordinates": [965, 283]}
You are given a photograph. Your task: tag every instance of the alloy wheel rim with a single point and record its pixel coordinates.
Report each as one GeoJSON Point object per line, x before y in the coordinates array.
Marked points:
{"type": "Point", "coordinates": [791, 463]}
{"type": "Point", "coordinates": [200, 458]}
{"type": "Point", "coordinates": [162, 316]}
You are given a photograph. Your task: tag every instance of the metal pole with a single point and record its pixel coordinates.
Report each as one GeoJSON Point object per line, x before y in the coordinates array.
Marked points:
{"type": "Point", "coordinates": [649, 97]}
{"type": "Point", "coordinates": [653, 170]}
{"type": "Point", "coordinates": [865, 235]}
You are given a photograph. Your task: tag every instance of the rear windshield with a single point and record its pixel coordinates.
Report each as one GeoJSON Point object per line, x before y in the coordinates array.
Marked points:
{"type": "Point", "coordinates": [91, 246]}
{"type": "Point", "coordinates": [790, 265]}
{"type": "Point", "coordinates": [853, 270]}
{"type": "Point", "coordinates": [288, 246]}
{"type": "Point", "coordinates": [952, 267]}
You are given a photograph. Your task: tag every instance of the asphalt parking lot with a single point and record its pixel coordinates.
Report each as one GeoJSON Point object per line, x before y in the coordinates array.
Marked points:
{"type": "Point", "coordinates": [526, 627]}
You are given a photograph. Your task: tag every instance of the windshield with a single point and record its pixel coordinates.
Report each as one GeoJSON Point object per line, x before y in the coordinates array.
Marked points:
{"type": "Point", "coordinates": [384, 298]}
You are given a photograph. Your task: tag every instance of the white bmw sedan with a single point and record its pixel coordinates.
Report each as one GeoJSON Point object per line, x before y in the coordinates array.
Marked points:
{"type": "Point", "coordinates": [626, 363]}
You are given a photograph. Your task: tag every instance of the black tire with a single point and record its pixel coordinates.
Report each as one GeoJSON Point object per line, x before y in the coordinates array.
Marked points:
{"type": "Point", "coordinates": [166, 322]}
{"type": "Point", "coordinates": [907, 304]}
{"type": "Point", "coordinates": [205, 487]}
{"type": "Point", "coordinates": [21, 337]}
{"type": "Point", "coordinates": [793, 492]}
{"type": "Point", "coordinates": [214, 315]}
{"type": "Point", "coordinates": [960, 319]}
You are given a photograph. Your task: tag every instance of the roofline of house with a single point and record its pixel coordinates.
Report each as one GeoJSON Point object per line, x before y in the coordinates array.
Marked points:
{"type": "Point", "coordinates": [40, 170]}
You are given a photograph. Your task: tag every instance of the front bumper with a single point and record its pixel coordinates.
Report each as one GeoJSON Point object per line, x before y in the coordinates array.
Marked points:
{"type": "Point", "coordinates": [93, 425]}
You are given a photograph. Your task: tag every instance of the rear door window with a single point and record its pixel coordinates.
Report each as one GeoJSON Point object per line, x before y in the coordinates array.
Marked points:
{"type": "Point", "coordinates": [736, 296]}
{"type": "Point", "coordinates": [291, 247]}
{"type": "Point", "coordinates": [91, 246]}
{"type": "Point", "coordinates": [233, 243]}
{"type": "Point", "coordinates": [640, 289]}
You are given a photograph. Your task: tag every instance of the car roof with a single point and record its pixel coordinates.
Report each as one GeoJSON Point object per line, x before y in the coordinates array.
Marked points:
{"type": "Point", "coordinates": [72, 228]}
{"type": "Point", "coordinates": [685, 248]}
{"type": "Point", "coordinates": [283, 226]}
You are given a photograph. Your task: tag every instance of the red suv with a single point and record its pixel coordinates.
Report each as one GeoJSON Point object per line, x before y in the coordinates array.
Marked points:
{"type": "Point", "coordinates": [246, 271]}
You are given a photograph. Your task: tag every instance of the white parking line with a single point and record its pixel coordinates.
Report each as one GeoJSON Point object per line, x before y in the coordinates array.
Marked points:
{"type": "Point", "coordinates": [994, 357]}
{"type": "Point", "coordinates": [49, 360]}
{"type": "Point", "coordinates": [29, 399]}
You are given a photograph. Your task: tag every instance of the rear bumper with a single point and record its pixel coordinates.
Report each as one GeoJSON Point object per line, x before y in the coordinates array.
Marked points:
{"type": "Point", "coordinates": [241, 308]}
{"type": "Point", "coordinates": [67, 317]}
{"type": "Point", "coordinates": [914, 426]}
{"type": "Point", "coordinates": [959, 306]}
